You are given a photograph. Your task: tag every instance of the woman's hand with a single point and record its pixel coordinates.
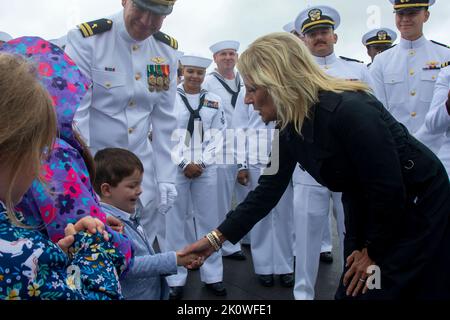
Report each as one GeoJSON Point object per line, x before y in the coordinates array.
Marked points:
{"type": "Point", "coordinates": [202, 249]}
{"type": "Point", "coordinates": [193, 171]}
{"type": "Point", "coordinates": [89, 224]}
{"type": "Point", "coordinates": [356, 276]}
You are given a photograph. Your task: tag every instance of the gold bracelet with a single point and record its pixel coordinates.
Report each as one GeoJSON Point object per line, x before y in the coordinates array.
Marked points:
{"type": "Point", "coordinates": [217, 238]}
{"type": "Point", "coordinates": [217, 246]}
{"type": "Point", "coordinates": [212, 242]}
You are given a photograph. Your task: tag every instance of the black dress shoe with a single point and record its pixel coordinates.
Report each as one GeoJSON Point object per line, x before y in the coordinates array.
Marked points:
{"type": "Point", "coordinates": [238, 255]}
{"type": "Point", "coordinates": [176, 293]}
{"type": "Point", "coordinates": [266, 280]}
{"type": "Point", "coordinates": [326, 257]}
{"type": "Point", "coordinates": [287, 280]}
{"type": "Point", "coordinates": [217, 288]}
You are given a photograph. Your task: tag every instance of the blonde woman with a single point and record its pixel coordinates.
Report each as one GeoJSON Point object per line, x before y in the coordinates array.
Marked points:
{"type": "Point", "coordinates": [31, 266]}
{"type": "Point", "coordinates": [396, 193]}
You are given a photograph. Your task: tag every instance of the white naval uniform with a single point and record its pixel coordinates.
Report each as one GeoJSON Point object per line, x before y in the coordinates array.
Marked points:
{"type": "Point", "coordinates": [312, 201]}
{"type": "Point", "coordinates": [272, 238]}
{"type": "Point", "coordinates": [405, 88]}
{"type": "Point", "coordinates": [119, 109]}
{"type": "Point", "coordinates": [438, 119]}
{"type": "Point", "coordinates": [226, 172]}
{"type": "Point", "coordinates": [202, 190]}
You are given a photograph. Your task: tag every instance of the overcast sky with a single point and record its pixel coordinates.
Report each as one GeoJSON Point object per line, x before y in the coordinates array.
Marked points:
{"type": "Point", "coordinates": [197, 24]}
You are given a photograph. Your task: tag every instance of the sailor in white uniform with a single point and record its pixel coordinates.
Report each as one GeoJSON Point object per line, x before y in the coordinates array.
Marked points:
{"type": "Point", "coordinates": [226, 83]}
{"type": "Point", "coordinates": [311, 200]}
{"type": "Point", "coordinates": [133, 69]}
{"type": "Point", "coordinates": [378, 40]}
{"type": "Point", "coordinates": [404, 76]}
{"type": "Point", "coordinates": [438, 118]}
{"type": "Point", "coordinates": [271, 239]}
{"type": "Point", "coordinates": [201, 125]}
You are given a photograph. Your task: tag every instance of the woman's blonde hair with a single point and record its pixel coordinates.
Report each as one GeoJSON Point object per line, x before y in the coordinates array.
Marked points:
{"type": "Point", "coordinates": [29, 124]}
{"type": "Point", "coordinates": [283, 65]}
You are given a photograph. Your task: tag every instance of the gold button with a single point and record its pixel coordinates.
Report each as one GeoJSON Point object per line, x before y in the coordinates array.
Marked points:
{"type": "Point", "coordinates": [413, 93]}
{"type": "Point", "coordinates": [131, 130]}
{"type": "Point", "coordinates": [412, 52]}
{"type": "Point", "coordinates": [413, 114]}
{"type": "Point", "coordinates": [138, 76]}
{"type": "Point", "coordinates": [433, 77]}
{"type": "Point", "coordinates": [135, 47]}
{"type": "Point", "coordinates": [411, 72]}
{"type": "Point", "coordinates": [108, 85]}
{"type": "Point", "coordinates": [131, 104]}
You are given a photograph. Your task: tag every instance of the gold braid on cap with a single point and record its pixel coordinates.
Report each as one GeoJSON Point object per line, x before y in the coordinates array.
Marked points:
{"type": "Point", "coordinates": [164, 2]}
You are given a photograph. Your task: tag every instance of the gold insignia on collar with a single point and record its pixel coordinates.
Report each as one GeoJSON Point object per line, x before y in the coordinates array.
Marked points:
{"type": "Point", "coordinates": [382, 35]}
{"type": "Point", "coordinates": [315, 14]}
{"type": "Point", "coordinates": [158, 60]}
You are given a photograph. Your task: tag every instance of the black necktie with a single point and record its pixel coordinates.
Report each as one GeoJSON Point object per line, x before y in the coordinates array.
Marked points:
{"type": "Point", "coordinates": [234, 95]}
{"type": "Point", "coordinates": [195, 114]}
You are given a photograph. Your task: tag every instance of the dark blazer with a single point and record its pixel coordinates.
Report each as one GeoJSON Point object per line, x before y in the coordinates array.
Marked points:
{"type": "Point", "coordinates": [396, 193]}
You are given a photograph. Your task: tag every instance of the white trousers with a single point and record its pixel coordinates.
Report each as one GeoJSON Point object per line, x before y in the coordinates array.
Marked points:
{"type": "Point", "coordinates": [327, 241]}
{"type": "Point", "coordinates": [241, 193]}
{"type": "Point", "coordinates": [154, 223]}
{"type": "Point", "coordinates": [271, 239]}
{"type": "Point", "coordinates": [203, 192]}
{"type": "Point", "coordinates": [226, 181]}
{"type": "Point", "coordinates": [311, 218]}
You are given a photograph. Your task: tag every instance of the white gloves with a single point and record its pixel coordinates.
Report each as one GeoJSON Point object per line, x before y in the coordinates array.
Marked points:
{"type": "Point", "coordinates": [168, 194]}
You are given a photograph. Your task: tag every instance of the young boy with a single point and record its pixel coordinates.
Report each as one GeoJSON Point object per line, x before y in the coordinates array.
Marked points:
{"type": "Point", "coordinates": [118, 183]}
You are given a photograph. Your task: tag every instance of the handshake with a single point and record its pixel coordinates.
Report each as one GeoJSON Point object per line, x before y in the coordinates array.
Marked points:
{"type": "Point", "coordinates": [189, 260]}
{"type": "Point", "coordinates": [194, 255]}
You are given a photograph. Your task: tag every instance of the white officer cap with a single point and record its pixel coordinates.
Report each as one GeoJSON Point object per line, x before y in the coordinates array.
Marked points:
{"type": "Point", "coordinates": [195, 60]}
{"type": "Point", "coordinates": [401, 5]}
{"type": "Point", "coordinates": [160, 7]}
{"type": "Point", "coordinates": [317, 17]}
{"type": "Point", "coordinates": [289, 27]}
{"type": "Point", "coordinates": [379, 36]}
{"type": "Point", "coordinates": [222, 45]}
{"type": "Point", "coordinates": [5, 37]}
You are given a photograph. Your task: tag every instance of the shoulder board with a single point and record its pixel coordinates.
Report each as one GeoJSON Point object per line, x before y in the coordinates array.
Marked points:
{"type": "Point", "coordinates": [161, 36]}
{"type": "Point", "coordinates": [89, 29]}
{"type": "Point", "coordinates": [445, 64]}
{"type": "Point", "coordinates": [350, 59]}
{"type": "Point", "coordinates": [440, 44]}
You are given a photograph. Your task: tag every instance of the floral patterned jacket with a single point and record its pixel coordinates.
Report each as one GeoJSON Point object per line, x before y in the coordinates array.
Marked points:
{"type": "Point", "coordinates": [68, 195]}
{"type": "Point", "coordinates": [34, 268]}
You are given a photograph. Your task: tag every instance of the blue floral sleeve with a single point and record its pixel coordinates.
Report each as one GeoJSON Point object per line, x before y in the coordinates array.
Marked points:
{"type": "Point", "coordinates": [34, 268]}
